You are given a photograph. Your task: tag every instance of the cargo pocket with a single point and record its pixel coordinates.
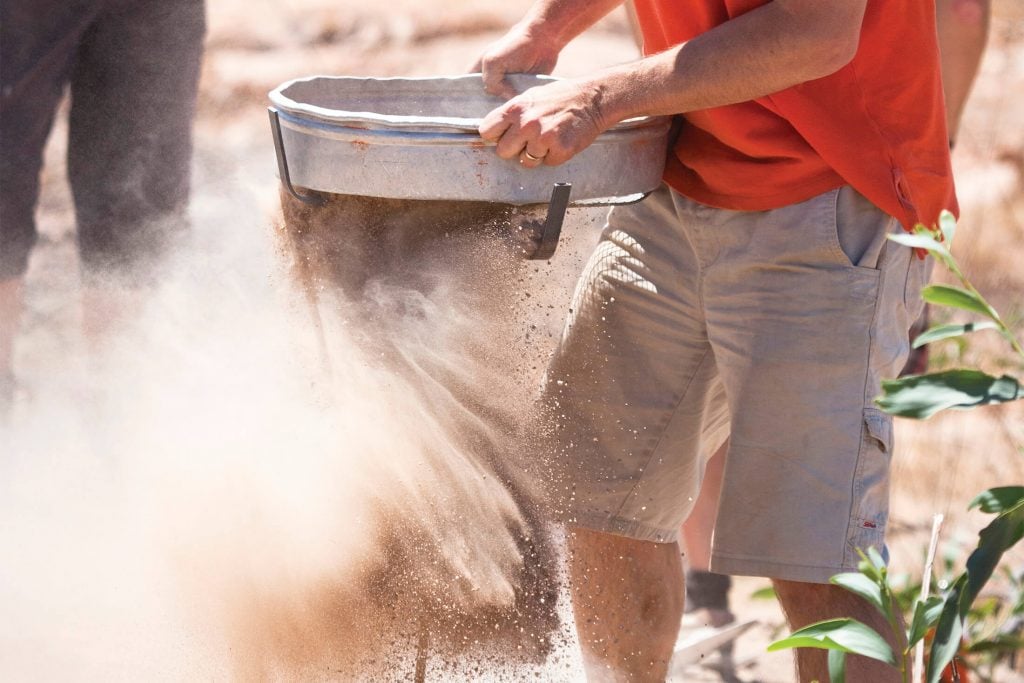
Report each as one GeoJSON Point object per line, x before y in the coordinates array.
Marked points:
{"type": "Point", "coordinates": [870, 509]}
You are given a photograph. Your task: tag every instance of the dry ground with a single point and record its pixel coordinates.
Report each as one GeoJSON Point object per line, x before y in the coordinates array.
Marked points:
{"type": "Point", "coordinates": [255, 44]}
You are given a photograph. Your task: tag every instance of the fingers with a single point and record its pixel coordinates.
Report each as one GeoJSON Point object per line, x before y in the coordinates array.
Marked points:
{"type": "Point", "coordinates": [495, 124]}
{"type": "Point", "coordinates": [547, 125]}
{"type": "Point", "coordinates": [502, 126]}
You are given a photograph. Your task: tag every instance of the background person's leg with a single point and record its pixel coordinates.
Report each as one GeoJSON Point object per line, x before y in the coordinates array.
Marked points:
{"type": "Point", "coordinates": [133, 100]}
{"type": "Point", "coordinates": [10, 318]}
{"type": "Point", "coordinates": [37, 47]}
{"type": "Point", "coordinates": [707, 593]}
{"type": "Point", "coordinates": [699, 526]}
{"type": "Point", "coordinates": [627, 602]}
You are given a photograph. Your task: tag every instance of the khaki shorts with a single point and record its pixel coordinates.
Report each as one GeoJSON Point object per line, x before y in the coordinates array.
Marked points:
{"type": "Point", "coordinates": [691, 324]}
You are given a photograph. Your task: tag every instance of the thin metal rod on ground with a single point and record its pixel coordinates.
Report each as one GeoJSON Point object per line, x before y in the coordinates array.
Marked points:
{"type": "Point", "coordinates": [421, 658]}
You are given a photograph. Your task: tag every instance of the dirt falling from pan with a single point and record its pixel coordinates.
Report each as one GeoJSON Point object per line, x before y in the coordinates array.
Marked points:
{"type": "Point", "coordinates": [227, 490]}
{"type": "Point", "coordinates": [414, 302]}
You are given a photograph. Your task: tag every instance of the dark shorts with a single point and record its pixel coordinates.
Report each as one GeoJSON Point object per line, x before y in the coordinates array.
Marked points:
{"type": "Point", "coordinates": [132, 67]}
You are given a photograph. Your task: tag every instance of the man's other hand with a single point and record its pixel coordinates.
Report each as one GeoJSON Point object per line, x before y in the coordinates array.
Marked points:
{"type": "Point", "coordinates": [518, 51]}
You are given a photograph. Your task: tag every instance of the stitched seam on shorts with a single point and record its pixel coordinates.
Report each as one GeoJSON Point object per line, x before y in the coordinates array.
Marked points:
{"type": "Point", "coordinates": [777, 570]}
{"type": "Point", "coordinates": [759, 559]}
{"type": "Point", "coordinates": [661, 437]}
{"type": "Point", "coordinates": [624, 527]}
{"type": "Point", "coordinates": [872, 333]}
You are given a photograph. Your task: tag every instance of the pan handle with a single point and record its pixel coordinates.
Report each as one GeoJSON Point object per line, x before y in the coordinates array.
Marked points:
{"type": "Point", "coordinates": [557, 206]}
{"type": "Point", "coordinates": [552, 229]}
{"type": "Point", "coordinates": [282, 162]}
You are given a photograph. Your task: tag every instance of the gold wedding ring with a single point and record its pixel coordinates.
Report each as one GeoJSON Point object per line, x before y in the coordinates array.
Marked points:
{"type": "Point", "coordinates": [530, 156]}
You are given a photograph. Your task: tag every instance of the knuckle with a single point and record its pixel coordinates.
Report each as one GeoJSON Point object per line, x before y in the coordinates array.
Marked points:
{"type": "Point", "coordinates": [506, 150]}
{"type": "Point", "coordinates": [555, 157]}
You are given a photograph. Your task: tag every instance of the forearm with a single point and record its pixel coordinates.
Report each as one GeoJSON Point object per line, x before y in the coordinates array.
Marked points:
{"type": "Point", "coordinates": [562, 20]}
{"type": "Point", "coordinates": [771, 48]}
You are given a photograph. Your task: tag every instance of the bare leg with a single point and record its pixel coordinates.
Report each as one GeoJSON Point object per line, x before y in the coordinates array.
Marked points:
{"type": "Point", "coordinates": [10, 317]}
{"type": "Point", "coordinates": [963, 33]}
{"type": "Point", "coordinates": [698, 526]}
{"type": "Point", "coordinates": [807, 603]}
{"type": "Point", "coordinates": [628, 601]}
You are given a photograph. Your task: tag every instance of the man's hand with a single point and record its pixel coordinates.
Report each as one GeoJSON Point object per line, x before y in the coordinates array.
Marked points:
{"type": "Point", "coordinates": [518, 51]}
{"type": "Point", "coordinates": [548, 124]}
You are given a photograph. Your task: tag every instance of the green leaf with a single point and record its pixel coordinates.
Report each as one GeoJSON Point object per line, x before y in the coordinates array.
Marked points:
{"type": "Point", "coordinates": [998, 499]}
{"type": "Point", "coordinates": [921, 241]}
{"type": "Point", "coordinates": [994, 540]}
{"type": "Point", "coordinates": [921, 396]}
{"type": "Point", "coordinates": [999, 536]}
{"type": "Point", "coordinates": [837, 666]}
{"type": "Point", "coordinates": [940, 332]}
{"type": "Point", "coordinates": [877, 560]}
{"type": "Point", "coordinates": [844, 634]}
{"type": "Point", "coordinates": [947, 295]}
{"type": "Point", "coordinates": [766, 593]}
{"type": "Point", "coordinates": [864, 586]}
{"type": "Point", "coordinates": [948, 632]}
{"type": "Point", "coordinates": [872, 565]}
{"type": "Point", "coordinates": [947, 224]}
{"type": "Point", "coordinates": [1004, 642]}
{"type": "Point", "coordinates": [925, 615]}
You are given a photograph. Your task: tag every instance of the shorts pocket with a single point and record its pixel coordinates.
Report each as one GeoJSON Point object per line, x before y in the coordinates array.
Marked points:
{"type": "Point", "coordinates": [918, 274]}
{"type": "Point", "coordinates": [870, 510]}
{"type": "Point", "coordinates": [858, 230]}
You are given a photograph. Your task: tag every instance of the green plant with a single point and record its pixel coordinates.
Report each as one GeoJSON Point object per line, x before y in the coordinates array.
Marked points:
{"type": "Point", "coordinates": [949, 616]}
{"type": "Point", "coordinates": [994, 624]}
{"type": "Point", "coordinates": [922, 396]}
{"type": "Point", "coordinates": [995, 629]}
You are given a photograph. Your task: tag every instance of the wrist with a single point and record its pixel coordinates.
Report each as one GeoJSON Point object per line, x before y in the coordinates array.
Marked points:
{"type": "Point", "coordinates": [542, 31]}
{"type": "Point", "coordinates": [615, 96]}
{"type": "Point", "coordinates": [559, 21]}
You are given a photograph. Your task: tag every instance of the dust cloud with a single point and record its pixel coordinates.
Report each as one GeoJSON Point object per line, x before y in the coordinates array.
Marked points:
{"type": "Point", "coordinates": [306, 451]}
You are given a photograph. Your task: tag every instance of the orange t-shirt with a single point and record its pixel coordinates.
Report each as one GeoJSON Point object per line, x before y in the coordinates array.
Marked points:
{"type": "Point", "coordinates": [877, 124]}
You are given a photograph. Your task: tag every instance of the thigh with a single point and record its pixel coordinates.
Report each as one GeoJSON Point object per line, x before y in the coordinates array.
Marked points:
{"type": "Point", "coordinates": [133, 100]}
{"type": "Point", "coordinates": [627, 389]}
{"type": "Point", "coordinates": [807, 310]}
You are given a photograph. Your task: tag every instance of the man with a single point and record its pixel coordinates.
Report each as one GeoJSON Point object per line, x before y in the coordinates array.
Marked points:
{"type": "Point", "coordinates": [133, 68]}
{"type": "Point", "coordinates": [809, 130]}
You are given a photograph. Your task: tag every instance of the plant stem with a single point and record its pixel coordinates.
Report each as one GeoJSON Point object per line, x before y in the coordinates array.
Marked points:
{"type": "Point", "coordinates": [926, 584]}
{"type": "Point", "coordinates": [1003, 327]}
